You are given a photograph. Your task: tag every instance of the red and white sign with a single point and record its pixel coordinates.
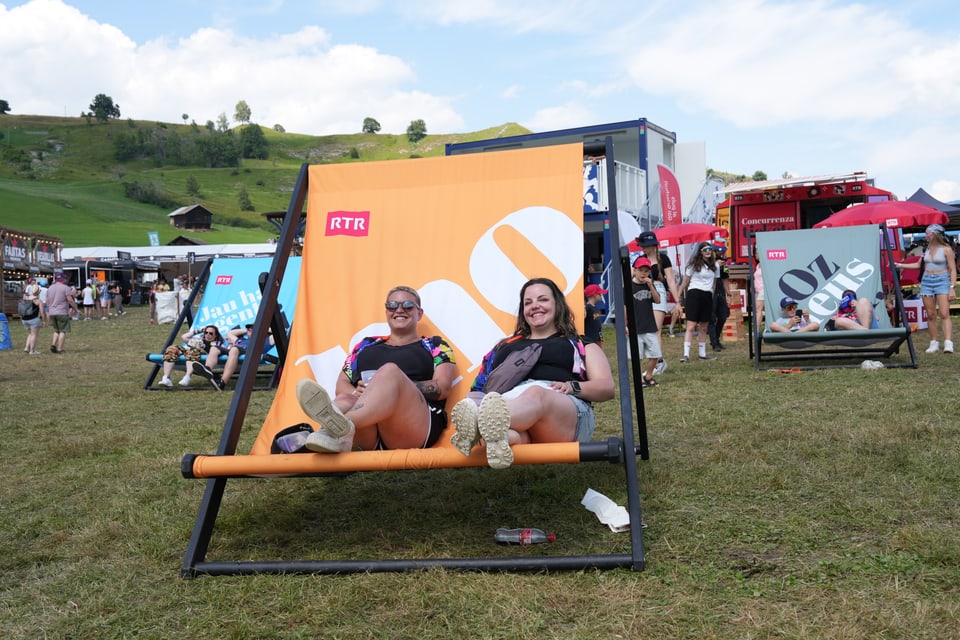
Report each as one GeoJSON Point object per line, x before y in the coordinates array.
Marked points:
{"type": "Point", "coordinates": [916, 314]}
{"type": "Point", "coordinates": [669, 196]}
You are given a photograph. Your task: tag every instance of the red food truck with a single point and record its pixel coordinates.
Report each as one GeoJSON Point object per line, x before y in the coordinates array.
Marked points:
{"type": "Point", "coordinates": [789, 203]}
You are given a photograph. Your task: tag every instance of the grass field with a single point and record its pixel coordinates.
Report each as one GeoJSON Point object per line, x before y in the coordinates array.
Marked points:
{"type": "Point", "coordinates": [813, 505]}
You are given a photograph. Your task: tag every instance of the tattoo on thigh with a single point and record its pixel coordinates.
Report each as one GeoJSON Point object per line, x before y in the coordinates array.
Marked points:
{"type": "Point", "coordinates": [429, 389]}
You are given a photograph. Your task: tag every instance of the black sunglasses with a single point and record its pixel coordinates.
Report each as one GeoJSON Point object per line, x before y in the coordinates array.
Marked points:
{"type": "Point", "coordinates": [406, 305]}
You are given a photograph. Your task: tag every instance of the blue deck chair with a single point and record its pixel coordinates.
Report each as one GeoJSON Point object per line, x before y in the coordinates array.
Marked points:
{"type": "Point", "coordinates": [815, 267]}
{"type": "Point", "coordinates": [228, 295]}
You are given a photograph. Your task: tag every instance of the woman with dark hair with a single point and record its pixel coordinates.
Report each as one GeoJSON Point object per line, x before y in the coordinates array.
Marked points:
{"type": "Point", "coordinates": [553, 403]}
{"type": "Point", "coordinates": [937, 285]}
{"type": "Point", "coordinates": [698, 283]}
{"type": "Point", "coordinates": [197, 343]}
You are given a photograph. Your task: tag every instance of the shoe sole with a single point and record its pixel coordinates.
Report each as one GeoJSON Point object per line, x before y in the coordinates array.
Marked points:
{"type": "Point", "coordinates": [493, 421]}
{"type": "Point", "coordinates": [465, 419]}
{"type": "Point", "coordinates": [201, 370]}
{"type": "Point", "coordinates": [323, 442]}
{"type": "Point", "coordinates": [316, 403]}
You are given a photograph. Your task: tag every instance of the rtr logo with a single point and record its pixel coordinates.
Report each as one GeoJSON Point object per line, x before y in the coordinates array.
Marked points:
{"type": "Point", "coordinates": [223, 280]}
{"type": "Point", "coordinates": [348, 223]}
{"type": "Point", "coordinates": [776, 254]}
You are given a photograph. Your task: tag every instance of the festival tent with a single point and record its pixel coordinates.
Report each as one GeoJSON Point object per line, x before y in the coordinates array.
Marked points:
{"type": "Point", "coordinates": [953, 212]}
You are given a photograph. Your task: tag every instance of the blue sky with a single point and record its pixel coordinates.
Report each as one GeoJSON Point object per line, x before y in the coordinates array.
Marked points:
{"type": "Point", "coordinates": [804, 88]}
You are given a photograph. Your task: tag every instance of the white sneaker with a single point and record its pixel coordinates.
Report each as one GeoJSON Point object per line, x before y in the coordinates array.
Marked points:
{"type": "Point", "coordinates": [493, 421]}
{"type": "Point", "coordinates": [316, 403]}
{"type": "Point", "coordinates": [660, 367]}
{"type": "Point", "coordinates": [165, 382]}
{"type": "Point", "coordinates": [185, 381]}
{"type": "Point", "coordinates": [464, 416]}
{"type": "Point", "coordinates": [948, 346]}
{"type": "Point", "coordinates": [322, 442]}
{"type": "Point", "coordinates": [934, 347]}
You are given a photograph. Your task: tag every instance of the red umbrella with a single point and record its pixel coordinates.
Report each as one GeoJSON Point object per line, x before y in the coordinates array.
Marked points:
{"type": "Point", "coordinates": [893, 213]}
{"type": "Point", "coordinates": [685, 233]}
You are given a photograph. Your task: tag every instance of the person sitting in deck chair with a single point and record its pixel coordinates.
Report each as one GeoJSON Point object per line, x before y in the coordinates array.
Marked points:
{"type": "Point", "coordinates": [196, 344]}
{"type": "Point", "coordinates": [793, 319]}
{"type": "Point", "coordinates": [392, 390]}
{"type": "Point", "coordinates": [552, 401]}
{"type": "Point", "coordinates": [853, 314]}
{"type": "Point", "coordinates": [237, 341]}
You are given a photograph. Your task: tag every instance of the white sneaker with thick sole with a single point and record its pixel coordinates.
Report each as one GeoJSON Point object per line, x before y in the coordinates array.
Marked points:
{"type": "Point", "coordinates": [934, 347]}
{"type": "Point", "coordinates": [948, 346]}
{"type": "Point", "coordinates": [185, 381]}
{"type": "Point", "coordinates": [322, 442]}
{"type": "Point", "coordinates": [464, 416]}
{"type": "Point", "coordinates": [165, 382]}
{"type": "Point", "coordinates": [493, 421]}
{"type": "Point", "coordinates": [316, 403]}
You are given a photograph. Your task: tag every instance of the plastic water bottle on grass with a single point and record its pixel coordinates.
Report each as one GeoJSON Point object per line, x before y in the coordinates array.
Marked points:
{"type": "Point", "coordinates": [522, 536]}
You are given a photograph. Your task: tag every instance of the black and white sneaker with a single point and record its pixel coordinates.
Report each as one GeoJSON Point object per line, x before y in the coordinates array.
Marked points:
{"type": "Point", "coordinates": [204, 371]}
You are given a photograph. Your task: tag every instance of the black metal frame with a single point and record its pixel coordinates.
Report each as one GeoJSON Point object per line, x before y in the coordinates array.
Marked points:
{"type": "Point", "coordinates": [862, 344]}
{"type": "Point", "coordinates": [186, 318]}
{"type": "Point", "coordinates": [194, 563]}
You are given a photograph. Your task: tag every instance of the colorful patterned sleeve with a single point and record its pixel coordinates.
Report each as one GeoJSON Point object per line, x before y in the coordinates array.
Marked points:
{"type": "Point", "coordinates": [486, 366]}
{"type": "Point", "coordinates": [348, 364]}
{"type": "Point", "coordinates": [440, 350]}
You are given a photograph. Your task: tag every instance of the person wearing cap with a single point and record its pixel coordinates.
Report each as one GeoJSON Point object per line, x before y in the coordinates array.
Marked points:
{"type": "Point", "coordinates": [853, 314]}
{"type": "Point", "coordinates": [664, 279]}
{"type": "Point", "coordinates": [645, 296]}
{"type": "Point", "coordinates": [236, 342]}
{"type": "Point", "coordinates": [937, 286]}
{"type": "Point", "coordinates": [60, 302]}
{"type": "Point", "coordinates": [699, 279]}
{"type": "Point", "coordinates": [593, 323]}
{"type": "Point", "coordinates": [721, 299]}
{"type": "Point", "coordinates": [793, 319]}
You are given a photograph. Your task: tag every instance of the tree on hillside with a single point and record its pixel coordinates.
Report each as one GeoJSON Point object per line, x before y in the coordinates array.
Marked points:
{"type": "Point", "coordinates": [185, 116]}
{"type": "Point", "coordinates": [759, 176]}
{"type": "Point", "coordinates": [243, 199]}
{"type": "Point", "coordinates": [279, 128]}
{"type": "Point", "coordinates": [253, 144]}
{"type": "Point", "coordinates": [417, 130]}
{"type": "Point", "coordinates": [370, 125]}
{"type": "Point", "coordinates": [223, 125]}
{"type": "Point", "coordinates": [242, 112]}
{"type": "Point", "coordinates": [103, 108]}
{"type": "Point", "coordinates": [4, 107]}
{"type": "Point", "coordinates": [193, 187]}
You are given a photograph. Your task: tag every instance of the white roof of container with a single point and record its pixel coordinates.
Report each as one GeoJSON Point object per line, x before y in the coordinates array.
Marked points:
{"type": "Point", "coordinates": [169, 253]}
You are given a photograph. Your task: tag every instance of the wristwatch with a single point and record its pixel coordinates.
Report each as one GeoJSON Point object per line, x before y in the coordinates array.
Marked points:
{"type": "Point", "coordinates": [576, 387]}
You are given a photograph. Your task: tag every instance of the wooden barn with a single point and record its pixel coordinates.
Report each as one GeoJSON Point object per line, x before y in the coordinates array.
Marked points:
{"type": "Point", "coordinates": [195, 217]}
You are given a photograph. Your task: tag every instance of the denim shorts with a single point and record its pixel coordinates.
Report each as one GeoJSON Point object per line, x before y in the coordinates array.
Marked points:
{"type": "Point", "coordinates": [586, 420]}
{"type": "Point", "coordinates": [663, 305]}
{"type": "Point", "coordinates": [935, 284]}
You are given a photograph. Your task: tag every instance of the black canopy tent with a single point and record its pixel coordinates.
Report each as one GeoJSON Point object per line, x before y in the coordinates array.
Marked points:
{"type": "Point", "coordinates": [953, 212]}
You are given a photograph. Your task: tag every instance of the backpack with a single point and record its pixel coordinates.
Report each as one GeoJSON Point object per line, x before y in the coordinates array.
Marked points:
{"type": "Point", "coordinates": [28, 310]}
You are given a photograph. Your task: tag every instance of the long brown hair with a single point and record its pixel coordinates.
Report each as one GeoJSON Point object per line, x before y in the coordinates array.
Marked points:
{"type": "Point", "coordinates": [563, 314]}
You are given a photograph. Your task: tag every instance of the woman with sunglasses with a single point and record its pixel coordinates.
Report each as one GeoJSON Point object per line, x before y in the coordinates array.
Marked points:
{"type": "Point", "coordinates": [698, 284]}
{"type": "Point", "coordinates": [392, 390]}
{"type": "Point", "coordinates": [553, 403]}
{"type": "Point", "coordinates": [196, 343]}
{"type": "Point", "coordinates": [937, 285]}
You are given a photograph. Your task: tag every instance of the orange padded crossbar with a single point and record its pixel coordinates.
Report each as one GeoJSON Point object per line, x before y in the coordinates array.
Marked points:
{"type": "Point", "coordinates": [212, 466]}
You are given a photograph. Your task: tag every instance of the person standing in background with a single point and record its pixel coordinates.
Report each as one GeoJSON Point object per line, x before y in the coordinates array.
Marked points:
{"type": "Point", "coordinates": [937, 286]}
{"type": "Point", "coordinates": [721, 300]}
{"type": "Point", "coordinates": [593, 323]}
{"type": "Point", "coordinates": [698, 283]}
{"type": "Point", "coordinates": [60, 301]}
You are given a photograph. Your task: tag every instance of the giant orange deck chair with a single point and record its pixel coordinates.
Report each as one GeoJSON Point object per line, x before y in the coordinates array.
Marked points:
{"type": "Point", "coordinates": [466, 231]}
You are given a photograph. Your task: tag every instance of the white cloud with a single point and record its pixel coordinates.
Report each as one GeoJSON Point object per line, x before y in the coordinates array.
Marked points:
{"type": "Point", "coordinates": [518, 17]}
{"type": "Point", "coordinates": [945, 190]}
{"type": "Point", "coordinates": [510, 92]}
{"type": "Point", "coordinates": [561, 117]}
{"type": "Point", "coordinates": [53, 59]}
{"type": "Point", "coordinates": [753, 62]}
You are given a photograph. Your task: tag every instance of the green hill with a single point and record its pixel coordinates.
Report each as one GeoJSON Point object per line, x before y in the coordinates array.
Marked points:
{"type": "Point", "coordinates": [59, 176]}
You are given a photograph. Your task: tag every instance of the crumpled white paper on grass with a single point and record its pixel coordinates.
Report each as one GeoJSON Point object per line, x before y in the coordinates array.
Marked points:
{"type": "Point", "coordinates": [607, 511]}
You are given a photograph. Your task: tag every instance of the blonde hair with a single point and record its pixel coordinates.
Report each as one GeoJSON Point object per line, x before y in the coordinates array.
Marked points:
{"type": "Point", "coordinates": [409, 290]}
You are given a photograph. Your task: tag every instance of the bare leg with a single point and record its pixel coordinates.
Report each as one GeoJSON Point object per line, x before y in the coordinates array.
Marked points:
{"type": "Point", "coordinates": [542, 415]}
{"type": "Point", "coordinates": [930, 306]}
{"type": "Point", "coordinates": [391, 407]}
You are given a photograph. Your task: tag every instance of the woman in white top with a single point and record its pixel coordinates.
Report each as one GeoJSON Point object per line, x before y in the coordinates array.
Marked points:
{"type": "Point", "coordinates": [698, 283]}
{"type": "Point", "coordinates": [937, 285]}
